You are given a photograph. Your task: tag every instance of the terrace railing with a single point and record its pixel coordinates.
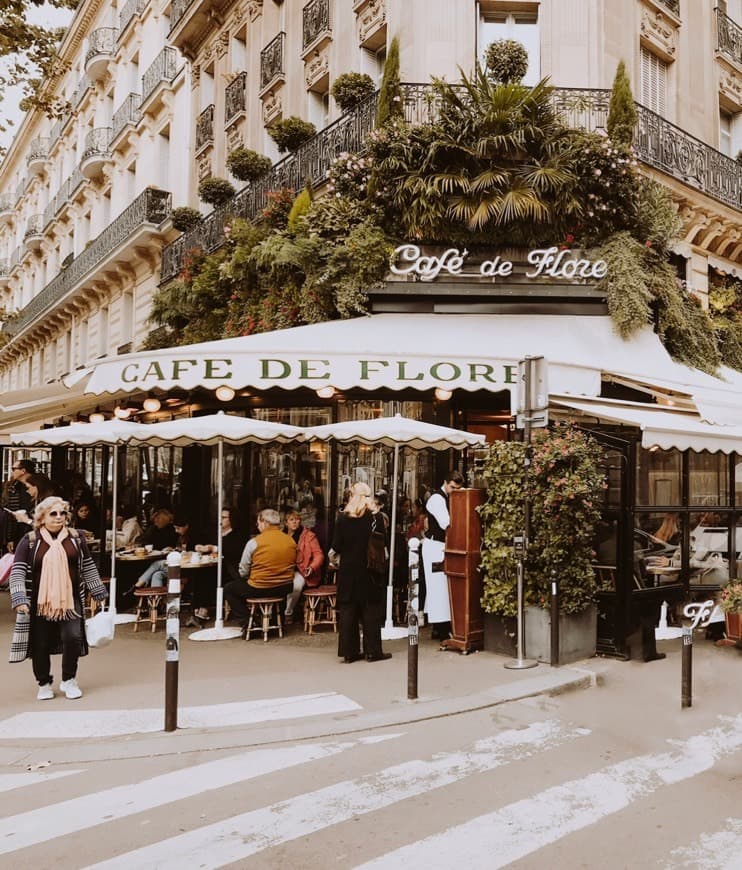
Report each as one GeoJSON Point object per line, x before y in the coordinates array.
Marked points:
{"type": "Point", "coordinates": [97, 142]}
{"type": "Point", "coordinates": [234, 97]}
{"type": "Point", "coordinates": [130, 9]}
{"type": "Point", "coordinates": [127, 113]}
{"type": "Point", "coordinates": [271, 60]}
{"type": "Point", "coordinates": [205, 127]}
{"type": "Point", "coordinates": [150, 207]}
{"type": "Point", "coordinates": [315, 21]}
{"type": "Point", "coordinates": [728, 36]}
{"type": "Point", "coordinates": [178, 9]}
{"type": "Point", "coordinates": [102, 41]}
{"type": "Point", "coordinates": [162, 69]}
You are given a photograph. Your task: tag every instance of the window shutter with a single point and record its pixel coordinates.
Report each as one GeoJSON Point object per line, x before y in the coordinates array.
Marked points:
{"type": "Point", "coordinates": [653, 82]}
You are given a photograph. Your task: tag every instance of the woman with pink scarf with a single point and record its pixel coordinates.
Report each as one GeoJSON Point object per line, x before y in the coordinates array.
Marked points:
{"type": "Point", "coordinates": [51, 577]}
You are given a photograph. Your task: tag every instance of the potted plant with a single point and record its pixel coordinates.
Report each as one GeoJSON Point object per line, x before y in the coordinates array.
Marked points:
{"type": "Point", "coordinates": [565, 482]}
{"type": "Point", "coordinates": [216, 191]}
{"type": "Point", "coordinates": [350, 88]}
{"type": "Point", "coordinates": [184, 217]}
{"type": "Point", "coordinates": [731, 604]}
{"type": "Point", "coordinates": [248, 165]}
{"type": "Point", "coordinates": [290, 133]}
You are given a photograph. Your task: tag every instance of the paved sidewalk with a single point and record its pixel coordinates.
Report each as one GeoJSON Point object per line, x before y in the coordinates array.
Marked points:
{"type": "Point", "coordinates": [306, 690]}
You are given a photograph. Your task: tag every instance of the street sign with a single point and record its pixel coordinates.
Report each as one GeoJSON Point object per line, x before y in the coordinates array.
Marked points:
{"type": "Point", "coordinates": [538, 420]}
{"type": "Point", "coordinates": [532, 400]}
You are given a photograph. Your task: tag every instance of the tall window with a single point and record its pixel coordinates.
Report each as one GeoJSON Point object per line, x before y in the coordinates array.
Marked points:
{"type": "Point", "coordinates": [726, 123]}
{"type": "Point", "coordinates": [653, 82]}
{"type": "Point", "coordinates": [103, 331]}
{"type": "Point", "coordinates": [521, 26]}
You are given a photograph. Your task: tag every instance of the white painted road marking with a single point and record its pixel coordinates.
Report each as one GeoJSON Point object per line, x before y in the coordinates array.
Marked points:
{"type": "Point", "coordinates": [721, 850]}
{"type": "Point", "coordinates": [239, 837]}
{"type": "Point", "coordinates": [78, 814]}
{"type": "Point", "coordinates": [497, 839]}
{"type": "Point", "coordinates": [79, 724]}
{"type": "Point", "coordinates": [10, 781]}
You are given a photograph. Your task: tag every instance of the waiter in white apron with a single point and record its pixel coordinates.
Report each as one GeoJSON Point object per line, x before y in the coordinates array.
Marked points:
{"type": "Point", "coordinates": [437, 604]}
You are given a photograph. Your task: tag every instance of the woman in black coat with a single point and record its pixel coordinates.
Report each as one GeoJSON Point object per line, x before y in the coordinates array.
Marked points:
{"type": "Point", "coordinates": [360, 596]}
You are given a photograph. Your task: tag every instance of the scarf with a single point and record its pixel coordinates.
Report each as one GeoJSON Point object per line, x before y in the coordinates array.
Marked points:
{"type": "Point", "coordinates": [56, 601]}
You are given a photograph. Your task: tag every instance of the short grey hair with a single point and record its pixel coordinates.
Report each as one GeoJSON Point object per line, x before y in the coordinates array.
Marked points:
{"type": "Point", "coordinates": [43, 508]}
{"type": "Point", "coordinates": [270, 517]}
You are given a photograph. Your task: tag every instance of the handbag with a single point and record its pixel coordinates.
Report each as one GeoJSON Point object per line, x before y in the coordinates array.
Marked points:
{"type": "Point", "coordinates": [376, 552]}
{"type": "Point", "coordinates": [99, 629]}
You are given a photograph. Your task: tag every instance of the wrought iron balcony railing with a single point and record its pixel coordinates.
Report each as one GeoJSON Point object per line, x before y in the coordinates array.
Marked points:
{"type": "Point", "coordinates": [82, 88]}
{"type": "Point", "coordinates": [178, 9]}
{"type": "Point", "coordinates": [130, 9]}
{"type": "Point", "coordinates": [150, 207]}
{"type": "Point", "coordinates": [62, 197]}
{"type": "Point", "coordinates": [74, 181]}
{"type": "Point", "coordinates": [127, 113]}
{"type": "Point", "coordinates": [658, 143]}
{"type": "Point", "coordinates": [20, 189]}
{"type": "Point", "coordinates": [315, 21]}
{"type": "Point", "coordinates": [234, 97]}
{"type": "Point", "coordinates": [728, 37]}
{"type": "Point", "coordinates": [50, 211]}
{"type": "Point", "coordinates": [672, 5]}
{"type": "Point", "coordinates": [34, 225]}
{"type": "Point", "coordinates": [97, 142]}
{"type": "Point", "coordinates": [38, 149]}
{"type": "Point", "coordinates": [15, 257]}
{"type": "Point", "coordinates": [162, 69]}
{"type": "Point", "coordinates": [4, 268]}
{"type": "Point", "coordinates": [205, 127]}
{"type": "Point", "coordinates": [102, 41]}
{"type": "Point", "coordinates": [271, 60]}
{"type": "Point", "coordinates": [6, 202]}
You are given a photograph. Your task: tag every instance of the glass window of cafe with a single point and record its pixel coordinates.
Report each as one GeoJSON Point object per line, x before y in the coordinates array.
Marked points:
{"type": "Point", "coordinates": [685, 508]}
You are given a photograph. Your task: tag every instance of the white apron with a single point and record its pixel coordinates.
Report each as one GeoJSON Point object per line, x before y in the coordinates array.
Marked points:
{"type": "Point", "coordinates": [437, 605]}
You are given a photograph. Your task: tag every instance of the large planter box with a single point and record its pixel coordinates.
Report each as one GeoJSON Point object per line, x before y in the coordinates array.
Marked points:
{"type": "Point", "coordinates": [734, 626]}
{"type": "Point", "coordinates": [499, 634]}
{"type": "Point", "coordinates": [578, 635]}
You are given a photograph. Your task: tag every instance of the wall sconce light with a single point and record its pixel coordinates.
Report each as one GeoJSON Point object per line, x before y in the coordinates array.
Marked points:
{"type": "Point", "coordinates": [326, 392]}
{"type": "Point", "coordinates": [97, 416]}
{"type": "Point", "coordinates": [224, 393]}
{"type": "Point", "coordinates": [443, 395]}
{"type": "Point", "coordinates": [151, 403]}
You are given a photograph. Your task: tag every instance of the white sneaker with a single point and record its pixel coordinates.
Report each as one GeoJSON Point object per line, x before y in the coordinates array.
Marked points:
{"type": "Point", "coordinates": [45, 693]}
{"type": "Point", "coordinates": [71, 689]}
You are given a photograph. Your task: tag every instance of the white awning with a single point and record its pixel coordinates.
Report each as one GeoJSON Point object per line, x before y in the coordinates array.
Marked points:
{"type": "Point", "coordinates": [660, 427]}
{"type": "Point", "coordinates": [403, 351]}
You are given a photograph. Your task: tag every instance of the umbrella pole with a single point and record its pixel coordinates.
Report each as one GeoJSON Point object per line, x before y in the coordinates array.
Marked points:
{"type": "Point", "coordinates": [389, 632]}
{"type": "Point", "coordinates": [118, 618]}
{"type": "Point", "coordinates": [218, 632]}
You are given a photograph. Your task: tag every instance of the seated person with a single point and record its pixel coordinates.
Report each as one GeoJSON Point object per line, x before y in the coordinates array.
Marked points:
{"type": "Point", "coordinates": [267, 567]}
{"type": "Point", "coordinates": [309, 559]}
{"type": "Point", "coordinates": [233, 544]}
{"type": "Point", "coordinates": [160, 532]}
{"type": "Point", "coordinates": [128, 530]}
{"type": "Point", "coordinates": [669, 532]}
{"type": "Point", "coordinates": [84, 519]}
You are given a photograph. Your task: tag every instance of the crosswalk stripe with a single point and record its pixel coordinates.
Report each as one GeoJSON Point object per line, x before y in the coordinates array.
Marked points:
{"type": "Point", "coordinates": [78, 814]}
{"type": "Point", "coordinates": [239, 837]}
{"type": "Point", "coordinates": [80, 724]}
{"type": "Point", "coordinates": [499, 838]}
{"type": "Point", "coordinates": [718, 851]}
{"type": "Point", "coordinates": [11, 781]}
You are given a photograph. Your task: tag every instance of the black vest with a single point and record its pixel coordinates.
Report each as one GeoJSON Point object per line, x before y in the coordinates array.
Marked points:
{"type": "Point", "coordinates": [435, 532]}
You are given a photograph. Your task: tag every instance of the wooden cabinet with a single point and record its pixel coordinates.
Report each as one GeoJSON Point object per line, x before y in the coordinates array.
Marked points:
{"type": "Point", "coordinates": [463, 544]}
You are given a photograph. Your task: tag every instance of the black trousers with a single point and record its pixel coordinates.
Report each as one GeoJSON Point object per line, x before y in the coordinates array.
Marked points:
{"type": "Point", "coordinates": [238, 591]}
{"type": "Point", "coordinates": [45, 634]}
{"type": "Point", "coordinates": [368, 614]}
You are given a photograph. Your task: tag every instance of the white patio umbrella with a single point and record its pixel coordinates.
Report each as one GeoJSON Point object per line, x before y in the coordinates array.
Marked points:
{"type": "Point", "coordinates": [217, 429]}
{"type": "Point", "coordinates": [395, 432]}
{"type": "Point", "coordinates": [112, 433]}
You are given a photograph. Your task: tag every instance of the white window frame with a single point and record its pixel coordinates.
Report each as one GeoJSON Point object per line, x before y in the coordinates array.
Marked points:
{"type": "Point", "coordinates": [653, 81]}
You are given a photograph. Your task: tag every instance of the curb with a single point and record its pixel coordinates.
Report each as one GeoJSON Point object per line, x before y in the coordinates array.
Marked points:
{"type": "Point", "coordinates": [30, 753]}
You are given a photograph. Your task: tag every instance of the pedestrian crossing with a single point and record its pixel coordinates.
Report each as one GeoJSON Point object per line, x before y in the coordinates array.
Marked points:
{"type": "Point", "coordinates": [290, 815]}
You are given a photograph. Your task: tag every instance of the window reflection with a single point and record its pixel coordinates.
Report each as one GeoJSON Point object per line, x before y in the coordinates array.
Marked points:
{"type": "Point", "coordinates": [658, 477]}
{"type": "Point", "coordinates": [709, 478]}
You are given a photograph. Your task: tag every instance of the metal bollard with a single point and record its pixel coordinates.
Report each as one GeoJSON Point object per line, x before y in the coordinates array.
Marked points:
{"type": "Point", "coordinates": [413, 590]}
{"type": "Point", "coordinates": [686, 669]}
{"type": "Point", "coordinates": [172, 641]}
{"type": "Point", "coordinates": [554, 621]}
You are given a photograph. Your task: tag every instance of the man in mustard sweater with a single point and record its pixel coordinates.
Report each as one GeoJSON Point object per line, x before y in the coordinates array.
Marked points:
{"type": "Point", "coordinates": [268, 564]}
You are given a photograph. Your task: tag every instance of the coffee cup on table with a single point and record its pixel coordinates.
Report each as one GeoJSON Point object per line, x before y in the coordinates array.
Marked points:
{"type": "Point", "coordinates": [149, 547]}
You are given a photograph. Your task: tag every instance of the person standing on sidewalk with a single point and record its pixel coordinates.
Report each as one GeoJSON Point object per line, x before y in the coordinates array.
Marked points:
{"type": "Point", "coordinates": [51, 577]}
{"type": "Point", "coordinates": [437, 604]}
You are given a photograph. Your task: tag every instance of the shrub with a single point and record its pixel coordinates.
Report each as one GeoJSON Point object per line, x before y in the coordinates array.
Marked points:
{"type": "Point", "coordinates": [276, 212]}
{"type": "Point", "coordinates": [290, 133]}
{"type": "Point", "coordinates": [185, 217]}
{"type": "Point", "coordinates": [301, 206]}
{"type": "Point", "coordinates": [350, 88]}
{"type": "Point", "coordinates": [622, 110]}
{"type": "Point", "coordinates": [248, 165]}
{"type": "Point", "coordinates": [216, 191]}
{"type": "Point", "coordinates": [390, 93]}
{"type": "Point", "coordinates": [507, 61]}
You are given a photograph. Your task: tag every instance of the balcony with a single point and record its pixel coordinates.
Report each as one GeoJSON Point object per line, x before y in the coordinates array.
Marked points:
{"type": "Point", "coordinates": [191, 22]}
{"type": "Point", "coordinates": [96, 153]}
{"type": "Point", "coordinates": [671, 6]}
{"type": "Point", "coordinates": [132, 9]}
{"type": "Point", "coordinates": [205, 128]}
{"type": "Point", "coordinates": [272, 69]}
{"type": "Point", "coordinates": [20, 190]}
{"type": "Point", "coordinates": [38, 156]}
{"type": "Point", "coordinates": [370, 23]}
{"type": "Point", "coordinates": [4, 273]}
{"type": "Point", "coordinates": [16, 258]}
{"type": "Point", "coordinates": [7, 212]}
{"type": "Point", "coordinates": [34, 235]}
{"type": "Point", "coordinates": [234, 99]}
{"type": "Point", "coordinates": [133, 228]}
{"type": "Point", "coordinates": [728, 38]}
{"type": "Point", "coordinates": [83, 86]}
{"type": "Point", "coordinates": [101, 51]}
{"type": "Point", "coordinates": [61, 200]}
{"type": "Point", "coordinates": [315, 24]}
{"type": "Point", "coordinates": [157, 80]}
{"type": "Point", "coordinates": [125, 119]}
{"type": "Point", "coordinates": [49, 213]}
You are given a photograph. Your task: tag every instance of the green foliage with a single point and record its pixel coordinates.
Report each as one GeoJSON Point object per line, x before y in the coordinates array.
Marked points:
{"type": "Point", "coordinates": [184, 217]}
{"type": "Point", "coordinates": [685, 328]}
{"type": "Point", "coordinates": [351, 88]}
{"type": "Point", "coordinates": [300, 207]}
{"type": "Point", "coordinates": [622, 116]}
{"type": "Point", "coordinates": [216, 191]}
{"type": "Point", "coordinates": [276, 213]}
{"type": "Point", "coordinates": [731, 598]}
{"type": "Point", "coordinates": [248, 165]}
{"type": "Point", "coordinates": [566, 482]}
{"type": "Point", "coordinates": [390, 92]}
{"type": "Point", "coordinates": [657, 221]}
{"type": "Point", "coordinates": [728, 338]}
{"type": "Point", "coordinates": [625, 285]}
{"type": "Point", "coordinates": [506, 61]}
{"type": "Point", "coordinates": [291, 133]}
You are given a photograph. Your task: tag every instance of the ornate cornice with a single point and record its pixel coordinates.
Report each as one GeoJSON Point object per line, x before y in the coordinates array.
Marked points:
{"type": "Point", "coordinates": [254, 9]}
{"type": "Point", "coordinates": [660, 33]}
{"type": "Point", "coordinates": [316, 67]}
{"type": "Point", "coordinates": [730, 87]}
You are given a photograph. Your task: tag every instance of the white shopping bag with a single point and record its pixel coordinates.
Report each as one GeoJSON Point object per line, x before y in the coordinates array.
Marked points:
{"type": "Point", "coordinates": [99, 629]}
